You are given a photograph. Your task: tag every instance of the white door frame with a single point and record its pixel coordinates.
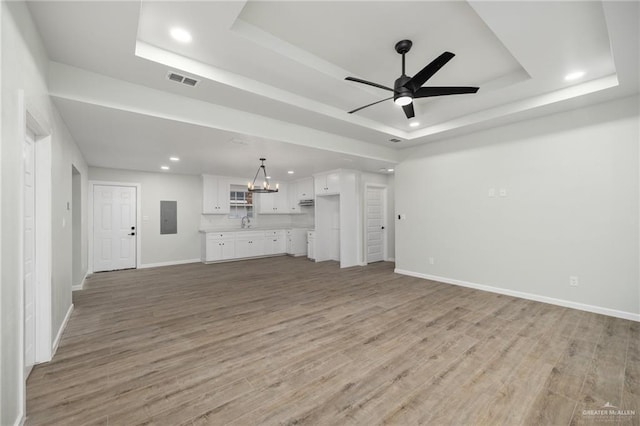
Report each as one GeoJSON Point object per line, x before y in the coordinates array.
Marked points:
{"type": "Point", "coordinates": [92, 184]}
{"type": "Point", "coordinates": [29, 156]}
{"type": "Point", "coordinates": [30, 118]}
{"type": "Point", "coordinates": [385, 252]}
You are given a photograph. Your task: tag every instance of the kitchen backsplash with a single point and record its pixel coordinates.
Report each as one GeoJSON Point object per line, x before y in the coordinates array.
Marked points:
{"type": "Point", "coordinates": [304, 220]}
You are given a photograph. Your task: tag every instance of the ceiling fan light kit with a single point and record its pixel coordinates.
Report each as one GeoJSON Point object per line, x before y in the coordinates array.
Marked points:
{"type": "Point", "coordinates": [266, 185]}
{"type": "Point", "coordinates": [406, 89]}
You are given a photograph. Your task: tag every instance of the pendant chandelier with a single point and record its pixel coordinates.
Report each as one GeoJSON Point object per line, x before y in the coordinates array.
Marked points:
{"type": "Point", "coordinates": [266, 186]}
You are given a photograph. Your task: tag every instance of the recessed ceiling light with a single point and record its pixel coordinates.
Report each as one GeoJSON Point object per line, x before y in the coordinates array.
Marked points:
{"type": "Point", "coordinates": [174, 158]}
{"type": "Point", "coordinates": [414, 124]}
{"type": "Point", "coordinates": [268, 177]}
{"type": "Point", "coordinates": [164, 167]}
{"type": "Point", "coordinates": [390, 170]}
{"type": "Point", "coordinates": [290, 172]}
{"type": "Point", "coordinates": [574, 75]}
{"type": "Point", "coordinates": [181, 35]}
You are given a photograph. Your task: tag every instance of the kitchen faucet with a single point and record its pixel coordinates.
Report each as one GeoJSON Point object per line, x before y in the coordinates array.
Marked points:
{"type": "Point", "coordinates": [246, 222]}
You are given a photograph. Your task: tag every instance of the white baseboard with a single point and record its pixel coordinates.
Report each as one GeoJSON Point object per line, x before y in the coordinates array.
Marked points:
{"type": "Point", "coordinates": [81, 285]}
{"type": "Point", "coordinates": [20, 420]}
{"type": "Point", "coordinates": [60, 331]}
{"type": "Point", "coordinates": [170, 263]}
{"type": "Point", "coordinates": [391, 259]}
{"type": "Point", "coordinates": [529, 296]}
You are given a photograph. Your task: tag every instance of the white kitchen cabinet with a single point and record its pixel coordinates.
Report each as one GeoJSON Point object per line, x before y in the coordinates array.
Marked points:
{"type": "Point", "coordinates": [299, 190]}
{"type": "Point", "coordinates": [249, 244]}
{"type": "Point", "coordinates": [297, 242]}
{"type": "Point", "coordinates": [327, 183]}
{"type": "Point", "coordinates": [274, 242]}
{"type": "Point", "coordinates": [293, 207]}
{"type": "Point", "coordinates": [274, 202]}
{"type": "Point", "coordinates": [304, 189]}
{"type": "Point", "coordinates": [215, 194]}
{"type": "Point", "coordinates": [218, 246]}
{"type": "Point", "coordinates": [311, 245]}
{"type": "Point", "coordinates": [232, 245]}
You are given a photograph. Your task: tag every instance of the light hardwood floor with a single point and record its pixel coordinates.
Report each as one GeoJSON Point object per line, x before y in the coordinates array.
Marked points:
{"type": "Point", "coordinates": [288, 341]}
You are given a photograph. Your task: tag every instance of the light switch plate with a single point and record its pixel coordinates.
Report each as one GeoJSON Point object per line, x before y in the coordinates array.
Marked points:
{"type": "Point", "coordinates": [492, 192]}
{"type": "Point", "coordinates": [503, 192]}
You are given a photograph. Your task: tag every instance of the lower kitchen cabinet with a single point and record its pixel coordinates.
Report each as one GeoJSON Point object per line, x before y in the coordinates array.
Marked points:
{"type": "Point", "coordinates": [275, 242]}
{"type": "Point", "coordinates": [297, 242]}
{"type": "Point", "coordinates": [249, 245]}
{"type": "Point", "coordinates": [231, 245]}
{"type": "Point", "coordinates": [219, 246]}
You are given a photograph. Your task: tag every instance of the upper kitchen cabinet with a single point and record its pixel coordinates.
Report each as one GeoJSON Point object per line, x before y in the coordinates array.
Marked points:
{"type": "Point", "coordinates": [299, 190]}
{"type": "Point", "coordinates": [215, 194]}
{"type": "Point", "coordinates": [274, 202]}
{"type": "Point", "coordinates": [327, 183]}
{"type": "Point", "coordinates": [304, 189]}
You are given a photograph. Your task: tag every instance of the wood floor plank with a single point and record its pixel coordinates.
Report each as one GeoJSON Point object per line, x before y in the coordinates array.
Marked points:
{"type": "Point", "coordinates": [288, 341]}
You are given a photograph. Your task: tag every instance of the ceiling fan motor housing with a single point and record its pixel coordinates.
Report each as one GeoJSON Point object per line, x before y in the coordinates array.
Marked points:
{"type": "Point", "coordinates": [399, 90]}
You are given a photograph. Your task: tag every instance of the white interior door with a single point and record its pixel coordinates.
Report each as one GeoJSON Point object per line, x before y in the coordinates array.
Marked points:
{"type": "Point", "coordinates": [375, 224]}
{"type": "Point", "coordinates": [29, 253]}
{"type": "Point", "coordinates": [114, 227]}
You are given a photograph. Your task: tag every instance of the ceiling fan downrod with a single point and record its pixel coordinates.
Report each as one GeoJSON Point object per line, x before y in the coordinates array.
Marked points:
{"type": "Point", "coordinates": [402, 47]}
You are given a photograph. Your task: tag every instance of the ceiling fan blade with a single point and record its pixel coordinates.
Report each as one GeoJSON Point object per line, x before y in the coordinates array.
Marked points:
{"type": "Point", "coordinates": [427, 72]}
{"type": "Point", "coordinates": [379, 86]}
{"type": "Point", "coordinates": [426, 92]}
{"type": "Point", "coordinates": [366, 106]}
{"type": "Point", "coordinates": [408, 110]}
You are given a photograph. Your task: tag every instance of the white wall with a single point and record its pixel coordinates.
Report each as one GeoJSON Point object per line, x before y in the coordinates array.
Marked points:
{"type": "Point", "coordinates": [350, 219]}
{"type": "Point", "coordinates": [572, 208]}
{"type": "Point", "coordinates": [187, 191]}
{"type": "Point", "coordinates": [24, 67]}
{"type": "Point", "coordinates": [391, 214]}
{"type": "Point", "coordinates": [156, 187]}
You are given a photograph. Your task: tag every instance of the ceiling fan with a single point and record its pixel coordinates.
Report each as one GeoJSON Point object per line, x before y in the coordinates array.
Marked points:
{"type": "Point", "coordinates": [406, 88]}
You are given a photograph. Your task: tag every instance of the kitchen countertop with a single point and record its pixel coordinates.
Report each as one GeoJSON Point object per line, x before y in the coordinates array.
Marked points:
{"type": "Point", "coordinates": [257, 229]}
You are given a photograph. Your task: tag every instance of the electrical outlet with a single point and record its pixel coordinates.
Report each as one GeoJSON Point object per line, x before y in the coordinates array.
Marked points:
{"type": "Point", "coordinates": [431, 261]}
{"type": "Point", "coordinates": [503, 192]}
{"type": "Point", "coordinates": [573, 281]}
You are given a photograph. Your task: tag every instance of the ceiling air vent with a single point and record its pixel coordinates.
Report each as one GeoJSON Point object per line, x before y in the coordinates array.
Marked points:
{"type": "Point", "coordinates": [394, 140]}
{"type": "Point", "coordinates": [182, 79]}
{"type": "Point", "coordinates": [189, 81]}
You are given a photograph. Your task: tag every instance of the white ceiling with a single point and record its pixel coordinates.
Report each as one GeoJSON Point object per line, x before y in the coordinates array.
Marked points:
{"type": "Point", "coordinates": [274, 72]}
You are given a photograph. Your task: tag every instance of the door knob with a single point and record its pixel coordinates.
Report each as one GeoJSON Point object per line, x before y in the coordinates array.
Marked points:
{"type": "Point", "coordinates": [133, 233]}
{"type": "Point", "coordinates": [382, 227]}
